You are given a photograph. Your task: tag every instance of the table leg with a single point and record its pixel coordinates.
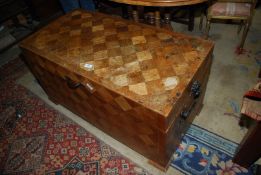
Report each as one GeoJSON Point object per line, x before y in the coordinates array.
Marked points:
{"type": "Point", "coordinates": [124, 9]}
{"type": "Point", "coordinates": [250, 148]}
{"type": "Point", "coordinates": [191, 18]}
{"type": "Point", "coordinates": [135, 15]}
{"type": "Point", "coordinates": [140, 10]}
{"type": "Point", "coordinates": [167, 21]}
{"type": "Point", "coordinates": [157, 19]}
{"type": "Point", "coordinates": [129, 11]}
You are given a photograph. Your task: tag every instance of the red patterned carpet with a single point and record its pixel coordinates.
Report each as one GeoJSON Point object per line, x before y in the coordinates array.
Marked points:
{"type": "Point", "coordinates": [36, 139]}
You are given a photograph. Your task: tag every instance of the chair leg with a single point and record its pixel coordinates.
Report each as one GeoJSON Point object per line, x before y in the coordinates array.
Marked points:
{"type": "Point", "coordinates": [246, 28]}
{"type": "Point", "coordinates": [240, 27]}
{"type": "Point", "coordinates": [207, 29]}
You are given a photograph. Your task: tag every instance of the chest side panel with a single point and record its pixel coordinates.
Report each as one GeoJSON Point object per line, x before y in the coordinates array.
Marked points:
{"type": "Point", "coordinates": [188, 107]}
{"type": "Point", "coordinates": [117, 116]}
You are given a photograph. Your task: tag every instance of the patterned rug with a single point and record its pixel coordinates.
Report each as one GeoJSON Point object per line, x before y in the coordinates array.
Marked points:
{"type": "Point", "coordinates": [204, 153]}
{"type": "Point", "coordinates": [36, 139]}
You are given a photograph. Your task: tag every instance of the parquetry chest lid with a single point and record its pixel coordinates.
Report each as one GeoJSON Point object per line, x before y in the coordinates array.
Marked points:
{"type": "Point", "coordinates": [140, 62]}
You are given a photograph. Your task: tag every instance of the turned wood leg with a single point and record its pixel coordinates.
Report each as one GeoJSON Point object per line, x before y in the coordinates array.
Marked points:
{"type": "Point", "coordinates": [250, 148]}
{"type": "Point", "coordinates": [149, 18]}
{"type": "Point", "coordinates": [135, 15]}
{"type": "Point", "coordinates": [140, 10]}
{"type": "Point", "coordinates": [157, 19]}
{"type": "Point", "coordinates": [129, 11]}
{"type": "Point", "coordinates": [167, 21]}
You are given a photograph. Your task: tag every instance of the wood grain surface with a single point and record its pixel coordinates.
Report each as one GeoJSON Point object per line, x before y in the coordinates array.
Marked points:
{"type": "Point", "coordinates": [131, 80]}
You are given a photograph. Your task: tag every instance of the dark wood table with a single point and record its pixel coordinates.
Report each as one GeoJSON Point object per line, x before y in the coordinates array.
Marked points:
{"type": "Point", "coordinates": [161, 3]}
{"type": "Point", "coordinates": [249, 150]}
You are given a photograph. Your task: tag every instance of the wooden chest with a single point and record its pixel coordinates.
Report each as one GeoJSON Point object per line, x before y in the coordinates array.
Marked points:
{"type": "Point", "coordinates": [141, 85]}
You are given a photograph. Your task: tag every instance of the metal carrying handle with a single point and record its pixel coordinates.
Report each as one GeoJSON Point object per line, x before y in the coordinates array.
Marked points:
{"type": "Point", "coordinates": [195, 92]}
{"type": "Point", "coordinates": [72, 84]}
